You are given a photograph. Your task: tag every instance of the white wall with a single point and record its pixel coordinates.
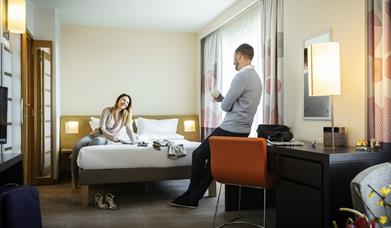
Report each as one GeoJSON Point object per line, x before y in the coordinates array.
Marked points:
{"type": "Point", "coordinates": [156, 68]}
{"type": "Point", "coordinates": [30, 16]}
{"type": "Point", "coordinates": [346, 19]}
{"type": "Point", "coordinates": [44, 24]}
{"type": "Point", "coordinates": [57, 69]}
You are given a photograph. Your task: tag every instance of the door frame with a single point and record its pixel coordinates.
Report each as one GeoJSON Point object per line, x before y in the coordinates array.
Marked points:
{"type": "Point", "coordinates": [32, 122]}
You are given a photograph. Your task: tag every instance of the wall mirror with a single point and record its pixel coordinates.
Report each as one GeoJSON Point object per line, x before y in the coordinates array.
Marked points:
{"type": "Point", "coordinates": [315, 108]}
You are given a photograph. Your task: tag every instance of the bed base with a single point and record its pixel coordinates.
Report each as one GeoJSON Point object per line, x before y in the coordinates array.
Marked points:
{"type": "Point", "coordinates": [111, 176]}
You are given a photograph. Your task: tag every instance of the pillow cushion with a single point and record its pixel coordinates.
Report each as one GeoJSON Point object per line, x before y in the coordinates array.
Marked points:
{"type": "Point", "coordinates": [159, 136]}
{"type": "Point", "coordinates": [94, 122]}
{"type": "Point", "coordinates": [145, 126]}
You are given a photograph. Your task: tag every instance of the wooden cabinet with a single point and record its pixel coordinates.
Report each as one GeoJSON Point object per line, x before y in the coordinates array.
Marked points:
{"type": "Point", "coordinates": [11, 168]}
{"type": "Point", "coordinates": [65, 162]}
{"type": "Point", "coordinates": [300, 200]}
{"type": "Point", "coordinates": [314, 183]}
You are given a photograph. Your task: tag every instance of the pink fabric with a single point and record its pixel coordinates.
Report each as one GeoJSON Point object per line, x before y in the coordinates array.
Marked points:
{"type": "Point", "coordinates": [211, 114]}
{"type": "Point", "coordinates": [379, 70]}
{"type": "Point", "coordinates": [272, 60]}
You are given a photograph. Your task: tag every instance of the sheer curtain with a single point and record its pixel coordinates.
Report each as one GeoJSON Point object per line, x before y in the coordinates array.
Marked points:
{"type": "Point", "coordinates": [246, 28]}
{"type": "Point", "coordinates": [211, 113]}
{"type": "Point", "coordinates": [273, 60]}
{"type": "Point", "coordinates": [379, 71]}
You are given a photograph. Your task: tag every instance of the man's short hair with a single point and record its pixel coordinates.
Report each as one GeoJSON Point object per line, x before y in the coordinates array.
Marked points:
{"type": "Point", "coordinates": [246, 50]}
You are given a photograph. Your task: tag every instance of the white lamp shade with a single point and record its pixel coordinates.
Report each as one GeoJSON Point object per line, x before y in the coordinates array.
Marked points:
{"type": "Point", "coordinates": [72, 127]}
{"type": "Point", "coordinates": [324, 73]}
{"type": "Point", "coordinates": [189, 126]}
{"type": "Point", "coordinates": [17, 16]}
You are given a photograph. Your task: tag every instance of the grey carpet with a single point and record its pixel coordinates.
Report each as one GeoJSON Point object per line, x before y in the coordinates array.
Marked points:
{"type": "Point", "coordinates": [139, 205]}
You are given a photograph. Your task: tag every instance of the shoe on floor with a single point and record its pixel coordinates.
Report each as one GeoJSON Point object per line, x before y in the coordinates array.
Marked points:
{"type": "Point", "coordinates": [185, 201]}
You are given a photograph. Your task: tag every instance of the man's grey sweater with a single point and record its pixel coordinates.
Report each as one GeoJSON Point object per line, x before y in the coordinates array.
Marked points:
{"type": "Point", "coordinates": [241, 101]}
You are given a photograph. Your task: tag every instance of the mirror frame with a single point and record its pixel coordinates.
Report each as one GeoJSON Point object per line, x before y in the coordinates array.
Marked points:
{"type": "Point", "coordinates": [319, 101]}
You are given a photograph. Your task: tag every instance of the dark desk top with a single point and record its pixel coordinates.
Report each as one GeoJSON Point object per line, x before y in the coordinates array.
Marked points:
{"type": "Point", "coordinates": [326, 153]}
{"type": "Point", "coordinates": [9, 159]}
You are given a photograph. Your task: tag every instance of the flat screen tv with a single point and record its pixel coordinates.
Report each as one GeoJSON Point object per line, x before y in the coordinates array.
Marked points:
{"type": "Point", "coordinates": [3, 114]}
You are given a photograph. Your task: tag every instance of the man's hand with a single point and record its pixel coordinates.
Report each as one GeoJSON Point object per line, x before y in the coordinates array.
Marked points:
{"type": "Point", "coordinates": [216, 95]}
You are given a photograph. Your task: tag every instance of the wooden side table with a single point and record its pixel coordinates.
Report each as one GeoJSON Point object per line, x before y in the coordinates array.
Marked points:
{"type": "Point", "coordinates": [65, 162]}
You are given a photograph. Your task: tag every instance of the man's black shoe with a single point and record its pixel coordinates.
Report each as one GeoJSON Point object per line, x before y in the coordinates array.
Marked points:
{"type": "Point", "coordinates": [185, 201]}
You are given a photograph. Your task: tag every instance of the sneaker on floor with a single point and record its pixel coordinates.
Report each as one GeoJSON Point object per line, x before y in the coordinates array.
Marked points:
{"type": "Point", "coordinates": [185, 201]}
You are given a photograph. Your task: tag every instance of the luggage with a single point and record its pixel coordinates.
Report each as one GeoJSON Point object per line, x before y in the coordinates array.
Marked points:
{"type": "Point", "coordinates": [19, 207]}
{"type": "Point", "coordinates": [274, 132]}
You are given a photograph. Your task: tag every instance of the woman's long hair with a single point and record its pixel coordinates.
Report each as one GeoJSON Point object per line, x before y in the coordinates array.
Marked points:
{"type": "Point", "coordinates": [125, 114]}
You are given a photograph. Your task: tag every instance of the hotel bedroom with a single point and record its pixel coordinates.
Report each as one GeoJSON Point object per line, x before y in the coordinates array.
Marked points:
{"type": "Point", "coordinates": [63, 62]}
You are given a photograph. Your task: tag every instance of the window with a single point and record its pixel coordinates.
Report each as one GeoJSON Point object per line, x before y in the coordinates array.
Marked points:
{"type": "Point", "coordinates": [246, 28]}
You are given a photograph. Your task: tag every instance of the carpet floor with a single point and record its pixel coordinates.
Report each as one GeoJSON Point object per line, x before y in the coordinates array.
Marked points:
{"type": "Point", "coordinates": [139, 205]}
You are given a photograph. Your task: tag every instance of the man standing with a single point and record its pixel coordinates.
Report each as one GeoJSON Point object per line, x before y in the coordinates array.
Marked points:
{"type": "Point", "coordinates": [240, 103]}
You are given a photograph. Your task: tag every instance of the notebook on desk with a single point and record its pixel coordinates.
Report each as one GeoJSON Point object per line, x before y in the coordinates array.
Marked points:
{"type": "Point", "coordinates": [293, 142]}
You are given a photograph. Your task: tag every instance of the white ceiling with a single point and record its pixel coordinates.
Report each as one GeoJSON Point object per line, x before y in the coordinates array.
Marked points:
{"type": "Point", "coordinates": [170, 15]}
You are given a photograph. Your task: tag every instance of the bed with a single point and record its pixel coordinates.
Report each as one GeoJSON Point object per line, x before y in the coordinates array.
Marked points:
{"type": "Point", "coordinates": [131, 163]}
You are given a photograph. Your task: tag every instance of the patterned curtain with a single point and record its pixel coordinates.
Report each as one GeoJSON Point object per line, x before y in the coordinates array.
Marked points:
{"type": "Point", "coordinates": [211, 113]}
{"type": "Point", "coordinates": [379, 70]}
{"type": "Point", "coordinates": [272, 47]}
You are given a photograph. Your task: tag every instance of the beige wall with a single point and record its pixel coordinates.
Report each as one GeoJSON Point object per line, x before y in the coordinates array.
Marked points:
{"type": "Point", "coordinates": [156, 68]}
{"type": "Point", "coordinates": [346, 19]}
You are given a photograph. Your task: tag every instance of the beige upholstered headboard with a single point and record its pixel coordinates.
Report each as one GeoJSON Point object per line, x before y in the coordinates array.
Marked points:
{"type": "Point", "coordinates": [67, 141]}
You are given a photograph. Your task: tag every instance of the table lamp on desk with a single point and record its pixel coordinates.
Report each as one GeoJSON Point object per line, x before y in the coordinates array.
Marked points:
{"type": "Point", "coordinates": [324, 74]}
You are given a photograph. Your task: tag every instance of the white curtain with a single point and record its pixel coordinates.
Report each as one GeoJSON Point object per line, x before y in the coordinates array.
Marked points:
{"type": "Point", "coordinates": [211, 113]}
{"type": "Point", "coordinates": [273, 60]}
{"type": "Point", "coordinates": [246, 28]}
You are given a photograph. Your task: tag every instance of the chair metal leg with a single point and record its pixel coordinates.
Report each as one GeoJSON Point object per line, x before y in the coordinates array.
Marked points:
{"type": "Point", "coordinates": [264, 207]}
{"type": "Point", "coordinates": [233, 221]}
{"type": "Point", "coordinates": [240, 196]}
{"type": "Point", "coordinates": [217, 205]}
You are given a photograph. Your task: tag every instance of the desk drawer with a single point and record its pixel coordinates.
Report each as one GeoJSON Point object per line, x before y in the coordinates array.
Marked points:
{"type": "Point", "coordinates": [302, 171]}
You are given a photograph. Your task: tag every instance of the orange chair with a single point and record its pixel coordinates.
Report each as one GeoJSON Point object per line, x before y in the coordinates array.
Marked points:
{"type": "Point", "coordinates": [242, 162]}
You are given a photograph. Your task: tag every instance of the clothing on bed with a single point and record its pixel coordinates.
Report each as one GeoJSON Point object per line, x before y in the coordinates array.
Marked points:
{"type": "Point", "coordinates": [174, 150]}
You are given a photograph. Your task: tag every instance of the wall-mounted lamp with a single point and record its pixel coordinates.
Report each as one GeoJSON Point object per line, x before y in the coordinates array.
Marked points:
{"type": "Point", "coordinates": [16, 17]}
{"type": "Point", "coordinates": [72, 127]}
{"type": "Point", "coordinates": [189, 126]}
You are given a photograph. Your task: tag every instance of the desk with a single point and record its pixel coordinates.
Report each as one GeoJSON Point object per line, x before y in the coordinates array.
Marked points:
{"type": "Point", "coordinates": [11, 168]}
{"type": "Point", "coordinates": [314, 183]}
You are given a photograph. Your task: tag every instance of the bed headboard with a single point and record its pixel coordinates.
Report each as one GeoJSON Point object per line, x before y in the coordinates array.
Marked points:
{"type": "Point", "coordinates": [67, 141]}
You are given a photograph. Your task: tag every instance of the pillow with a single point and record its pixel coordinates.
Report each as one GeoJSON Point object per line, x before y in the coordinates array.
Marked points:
{"type": "Point", "coordinates": [145, 126]}
{"type": "Point", "coordinates": [159, 136]}
{"type": "Point", "coordinates": [94, 122]}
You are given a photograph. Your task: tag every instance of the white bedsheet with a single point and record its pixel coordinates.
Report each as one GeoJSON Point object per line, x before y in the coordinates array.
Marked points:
{"type": "Point", "coordinates": [131, 156]}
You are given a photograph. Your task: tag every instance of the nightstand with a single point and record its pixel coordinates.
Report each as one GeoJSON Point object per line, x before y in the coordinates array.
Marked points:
{"type": "Point", "coordinates": [65, 162]}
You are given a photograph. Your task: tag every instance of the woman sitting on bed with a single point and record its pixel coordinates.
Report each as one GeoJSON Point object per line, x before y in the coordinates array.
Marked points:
{"type": "Point", "coordinates": [112, 120]}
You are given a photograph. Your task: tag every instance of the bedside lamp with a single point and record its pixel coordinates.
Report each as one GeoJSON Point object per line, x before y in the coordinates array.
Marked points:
{"type": "Point", "coordinates": [324, 74]}
{"type": "Point", "coordinates": [72, 127]}
{"type": "Point", "coordinates": [189, 126]}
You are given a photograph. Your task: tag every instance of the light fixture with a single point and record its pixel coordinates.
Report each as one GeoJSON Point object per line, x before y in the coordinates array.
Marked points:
{"type": "Point", "coordinates": [16, 17]}
{"type": "Point", "coordinates": [189, 126]}
{"type": "Point", "coordinates": [324, 75]}
{"type": "Point", "coordinates": [72, 127]}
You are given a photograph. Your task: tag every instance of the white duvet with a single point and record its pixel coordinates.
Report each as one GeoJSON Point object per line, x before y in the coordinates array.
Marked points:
{"type": "Point", "coordinates": [130, 156]}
